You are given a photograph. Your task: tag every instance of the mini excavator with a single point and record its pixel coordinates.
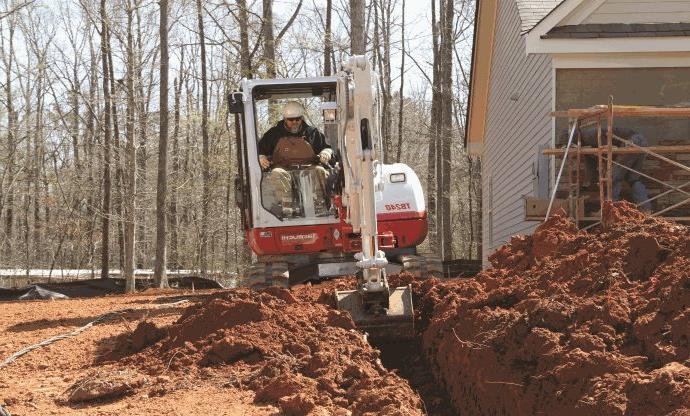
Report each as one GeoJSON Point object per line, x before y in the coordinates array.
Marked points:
{"type": "Point", "coordinates": [370, 218]}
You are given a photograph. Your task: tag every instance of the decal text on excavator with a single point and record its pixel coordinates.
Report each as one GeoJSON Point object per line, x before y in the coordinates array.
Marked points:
{"type": "Point", "coordinates": [398, 207]}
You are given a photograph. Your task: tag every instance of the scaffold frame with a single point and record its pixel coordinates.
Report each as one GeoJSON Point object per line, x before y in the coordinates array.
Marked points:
{"type": "Point", "coordinates": [580, 118]}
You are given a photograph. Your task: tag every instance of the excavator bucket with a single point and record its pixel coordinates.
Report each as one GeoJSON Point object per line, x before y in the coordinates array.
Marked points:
{"type": "Point", "coordinates": [394, 322]}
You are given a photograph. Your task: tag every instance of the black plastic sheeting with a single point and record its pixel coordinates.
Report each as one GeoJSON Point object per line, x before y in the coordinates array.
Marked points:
{"type": "Point", "coordinates": [97, 287]}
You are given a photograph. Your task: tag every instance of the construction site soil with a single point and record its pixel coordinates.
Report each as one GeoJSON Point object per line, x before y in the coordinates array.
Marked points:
{"type": "Point", "coordinates": [567, 322]}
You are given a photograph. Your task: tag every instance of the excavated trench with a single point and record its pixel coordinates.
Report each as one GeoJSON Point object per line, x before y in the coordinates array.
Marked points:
{"type": "Point", "coordinates": [407, 359]}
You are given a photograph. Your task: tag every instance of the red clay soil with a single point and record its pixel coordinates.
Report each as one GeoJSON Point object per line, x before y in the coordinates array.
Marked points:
{"type": "Point", "coordinates": [303, 357]}
{"type": "Point", "coordinates": [42, 381]}
{"type": "Point", "coordinates": [569, 322]}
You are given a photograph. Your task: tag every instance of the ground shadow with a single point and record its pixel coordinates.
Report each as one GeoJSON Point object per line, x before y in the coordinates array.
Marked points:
{"type": "Point", "coordinates": [128, 315]}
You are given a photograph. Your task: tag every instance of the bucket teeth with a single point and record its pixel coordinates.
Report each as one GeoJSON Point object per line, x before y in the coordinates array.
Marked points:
{"type": "Point", "coordinates": [394, 322]}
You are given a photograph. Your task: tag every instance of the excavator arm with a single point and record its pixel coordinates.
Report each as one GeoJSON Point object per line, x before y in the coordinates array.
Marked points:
{"type": "Point", "coordinates": [374, 306]}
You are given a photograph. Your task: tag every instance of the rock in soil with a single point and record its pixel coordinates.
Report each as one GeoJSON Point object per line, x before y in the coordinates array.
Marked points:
{"type": "Point", "coordinates": [99, 386]}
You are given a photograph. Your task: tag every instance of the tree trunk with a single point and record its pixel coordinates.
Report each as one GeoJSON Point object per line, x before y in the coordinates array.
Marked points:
{"type": "Point", "coordinates": [90, 146]}
{"type": "Point", "coordinates": [174, 220]}
{"type": "Point", "coordinates": [160, 276]}
{"type": "Point", "coordinates": [401, 99]}
{"type": "Point", "coordinates": [142, 248]}
{"type": "Point", "coordinates": [38, 158]}
{"type": "Point", "coordinates": [105, 225]}
{"type": "Point", "coordinates": [11, 141]}
{"type": "Point", "coordinates": [118, 199]}
{"type": "Point", "coordinates": [29, 173]}
{"type": "Point", "coordinates": [246, 71]}
{"type": "Point", "coordinates": [269, 41]}
{"type": "Point", "coordinates": [74, 98]}
{"type": "Point", "coordinates": [381, 46]}
{"type": "Point", "coordinates": [328, 40]}
{"type": "Point", "coordinates": [245, 55]}
{"type": "Point", "coordinates": [431, 188]}
{"type": "Point", "coordinates": [357, 32]}
{"type": "Point", "coordinates": [130, 181]}
{"type": "Point", "coordinates": [446, 114]}
{"type": "Point", "coordinates": [269, 58]}
{"type": "Point", "coordinates": [205, 198]}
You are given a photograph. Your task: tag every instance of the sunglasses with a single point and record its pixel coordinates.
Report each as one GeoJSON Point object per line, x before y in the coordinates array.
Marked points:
{"type": "Point", "coordinates": [293, 118]}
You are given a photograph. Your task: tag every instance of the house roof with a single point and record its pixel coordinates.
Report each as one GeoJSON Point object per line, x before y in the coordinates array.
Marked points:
{"type": "Point", "coordinates": [533, 11]}
{"type": "Point", "coordinates": [618, 30]}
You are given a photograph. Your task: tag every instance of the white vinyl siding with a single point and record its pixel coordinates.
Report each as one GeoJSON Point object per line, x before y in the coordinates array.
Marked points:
{"type": "Point", "coordinates": [641, 11]}
{"type": "Point", "coordinates": [520, 99]}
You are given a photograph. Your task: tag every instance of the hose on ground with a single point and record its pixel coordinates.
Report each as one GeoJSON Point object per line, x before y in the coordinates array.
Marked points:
{"type": "Point", "coordinates": [100, 319]}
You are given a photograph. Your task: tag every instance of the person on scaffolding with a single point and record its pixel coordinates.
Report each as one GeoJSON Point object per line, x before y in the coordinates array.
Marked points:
{"type": "Point", "coordinates": [293, 144]}
{"type": "Point", "coordinates": [626, 166]}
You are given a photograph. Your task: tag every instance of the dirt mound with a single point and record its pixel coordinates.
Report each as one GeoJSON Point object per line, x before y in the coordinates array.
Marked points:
{"type": "Point", "coordinates": [128, 343]}
{"type": "Point", "coordinates": [569, 322]}
{"type": "Point", "coordinates": [304, 357]}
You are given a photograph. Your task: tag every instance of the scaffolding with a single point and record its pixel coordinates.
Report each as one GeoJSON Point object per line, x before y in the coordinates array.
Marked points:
{"type": "Point", "coordinates": [605, 152]}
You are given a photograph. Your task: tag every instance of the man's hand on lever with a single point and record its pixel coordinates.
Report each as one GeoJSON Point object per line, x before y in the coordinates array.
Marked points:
{"type": "Point", "coordinates": [264, 162]}
{"type": "Point", "coordinates": [325, 156]}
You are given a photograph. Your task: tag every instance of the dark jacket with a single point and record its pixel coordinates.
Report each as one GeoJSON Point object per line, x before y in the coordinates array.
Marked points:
{"type": "Point", "coordinates": [314, 137]}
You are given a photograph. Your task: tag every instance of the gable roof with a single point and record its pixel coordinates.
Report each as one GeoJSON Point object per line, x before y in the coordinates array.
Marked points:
{"type": "Point", "coordinates": [533, 11]}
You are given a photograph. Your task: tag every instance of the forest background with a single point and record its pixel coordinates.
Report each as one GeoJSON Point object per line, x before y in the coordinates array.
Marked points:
{"type": "Point", "coordinates": [111, 109]}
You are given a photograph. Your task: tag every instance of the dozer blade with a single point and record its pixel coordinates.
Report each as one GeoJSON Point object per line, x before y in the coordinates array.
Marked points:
{"type": "Point", "coordinates": [397, 322]}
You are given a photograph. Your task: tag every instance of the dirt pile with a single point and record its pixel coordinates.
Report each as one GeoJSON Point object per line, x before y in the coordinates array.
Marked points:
{"type": "Point", "coordinates": [569, 322]}
{"type": "Point", "coordinates": [303, 357]}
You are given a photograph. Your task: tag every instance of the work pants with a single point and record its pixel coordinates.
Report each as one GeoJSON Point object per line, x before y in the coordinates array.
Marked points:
{"type": "Point", "coordinates": [633, 161]}
{"type": "Point", "coordinates": [276, 187]}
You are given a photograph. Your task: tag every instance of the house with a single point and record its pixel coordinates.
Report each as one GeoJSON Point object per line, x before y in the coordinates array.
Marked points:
{"type": "Point", "coordinates": [532, 57]}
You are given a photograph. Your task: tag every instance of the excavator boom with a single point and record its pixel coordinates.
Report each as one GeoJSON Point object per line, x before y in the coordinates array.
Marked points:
{"type": "Point", "coordinates": [374, 306]}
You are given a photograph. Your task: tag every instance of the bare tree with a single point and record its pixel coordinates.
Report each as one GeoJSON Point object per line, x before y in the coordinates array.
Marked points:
{"type": "Point", "coordinates": [69, 181]}
{"type": "Point", "coordinates": [328, 40]}
{"type": "Point", "coordinates": [8, 56]}
{"type": "Point", "coordinates": [401, 98]}
{"type": "Point", "coordinates": [245, 54]}
{"type": "Point", "coordinates": [357, 32]}
{"type": "Point", "coordinates": [269, 58]}
{"type": "Point", "coordinates": [205, 198]}
{"type": "Point", "coordinates": [130, 161]}
{"type": "Point", "coordinates": [160, 275]}
{"type": "Point", "coordinates": [445, 55]}
{"type": "Point", "coordinates": [432, 164]}
{"type": "Point", "coordinates": [173, 213]}
{"type": "Point", "coordinates": [105, 225]}
{"type": "Point", "coordinates": [117, 156]}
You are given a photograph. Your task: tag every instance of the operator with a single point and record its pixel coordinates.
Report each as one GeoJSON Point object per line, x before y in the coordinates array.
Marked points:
{"type": "Point", "coordinates": [292, 144]}
{"type": "Point", "coordinates": [630, 160]}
